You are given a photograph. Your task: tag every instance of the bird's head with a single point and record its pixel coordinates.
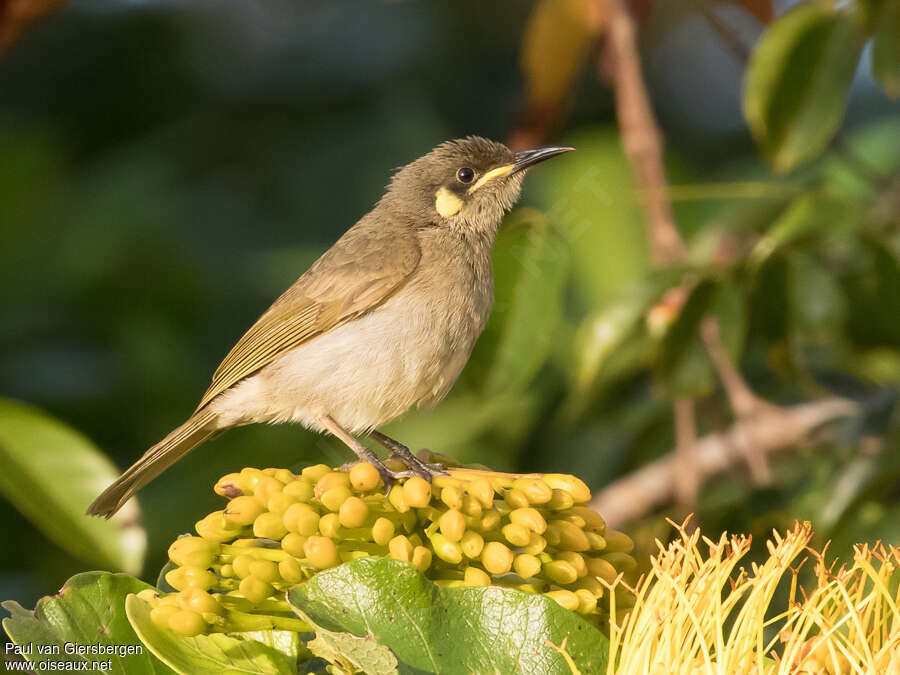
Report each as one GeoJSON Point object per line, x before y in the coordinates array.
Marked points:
{"type": "Point", "coordinates": [467, 184]}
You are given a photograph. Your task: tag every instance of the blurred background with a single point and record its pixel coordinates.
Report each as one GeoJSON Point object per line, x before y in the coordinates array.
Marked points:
{"type": "Point", "coordinates": [167, 169]}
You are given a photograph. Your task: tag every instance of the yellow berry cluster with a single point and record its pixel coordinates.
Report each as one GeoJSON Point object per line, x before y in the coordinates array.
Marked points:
{"type": "Point", "coordinates": [471, 527]}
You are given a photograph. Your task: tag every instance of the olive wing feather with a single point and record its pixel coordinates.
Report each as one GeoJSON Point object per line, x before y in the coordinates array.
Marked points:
{"type": "Point", "coordinates": [358, 273]}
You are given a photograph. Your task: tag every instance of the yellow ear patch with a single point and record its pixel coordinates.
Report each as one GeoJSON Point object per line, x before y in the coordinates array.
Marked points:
{"type": "Point", "coordinates": [446, 203]}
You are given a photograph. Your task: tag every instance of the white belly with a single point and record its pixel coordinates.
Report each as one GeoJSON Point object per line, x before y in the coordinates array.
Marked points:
{"type": "Point", "coordinates": [366, 372]}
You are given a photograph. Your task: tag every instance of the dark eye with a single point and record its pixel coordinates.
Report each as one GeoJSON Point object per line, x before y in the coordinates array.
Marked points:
{"type": "Point", "coordinates": [465, 175]}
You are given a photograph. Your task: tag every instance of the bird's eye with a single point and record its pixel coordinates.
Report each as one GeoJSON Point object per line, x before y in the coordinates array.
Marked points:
{"type": "Point", "coordinates": [465, 175]}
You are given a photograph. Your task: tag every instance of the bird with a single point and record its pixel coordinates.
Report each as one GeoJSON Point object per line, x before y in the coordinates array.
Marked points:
{"type": "Point", "coordinates": [384, 321]}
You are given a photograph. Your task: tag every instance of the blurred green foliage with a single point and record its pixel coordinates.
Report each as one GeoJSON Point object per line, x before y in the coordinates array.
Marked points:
{"type": "Point", "coordinates": [167, 170]}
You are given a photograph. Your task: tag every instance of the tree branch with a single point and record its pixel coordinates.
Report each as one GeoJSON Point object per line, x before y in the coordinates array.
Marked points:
{"type": "Point", "coordinates": [770, 429]}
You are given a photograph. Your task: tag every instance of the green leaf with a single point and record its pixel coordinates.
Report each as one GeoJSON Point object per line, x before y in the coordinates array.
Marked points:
{"type": "Point", "coordinates": [51, 473]}
{"type": "Point", "coordinates": [89, 611]}
{"type": "Point", "coordinates": [531, 264]}
{"type": "Point", "coordinates": [796, 221]}
{"type": "Point", "coordinates": [886, 48]}
{"type": "Point", "coordinates": [350, 653]}
{"type": "Point", "coordinates": [797, 82]}
{"type": "Point", "coordinates": [215, 653]}
{"type": "Point", "coordinates": [449, 630]}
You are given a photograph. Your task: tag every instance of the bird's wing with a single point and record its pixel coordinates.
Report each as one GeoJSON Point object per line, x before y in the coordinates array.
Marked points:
{"type": "Point", "coordinates": [362, 270]}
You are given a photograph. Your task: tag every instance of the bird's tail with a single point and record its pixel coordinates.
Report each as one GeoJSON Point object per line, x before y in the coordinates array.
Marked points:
{"type": "Point", "coordinates": [157, 459]}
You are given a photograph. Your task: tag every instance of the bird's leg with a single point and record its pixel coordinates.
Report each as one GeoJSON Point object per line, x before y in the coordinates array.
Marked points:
{"type": "Point", "coordinates": [424, 469]}
{"type": "Point", "coordinates": [361, 451]}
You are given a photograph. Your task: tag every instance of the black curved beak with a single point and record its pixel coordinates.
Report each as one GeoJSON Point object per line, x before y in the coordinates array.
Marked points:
{"type": "Point", "coordinates": [528, 158]}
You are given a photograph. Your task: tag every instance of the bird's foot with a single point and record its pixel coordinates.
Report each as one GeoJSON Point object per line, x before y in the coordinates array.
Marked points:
{"type": "Point", "coordinates": [418, 467]}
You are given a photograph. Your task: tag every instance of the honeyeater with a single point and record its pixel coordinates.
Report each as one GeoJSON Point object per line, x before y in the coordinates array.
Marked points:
{"type": "Point", "coordinates": [384, 320]}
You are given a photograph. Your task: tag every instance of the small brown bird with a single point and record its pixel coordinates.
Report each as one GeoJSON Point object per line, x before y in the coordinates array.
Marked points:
{"type": "Point", "coordinates": [384, 320]}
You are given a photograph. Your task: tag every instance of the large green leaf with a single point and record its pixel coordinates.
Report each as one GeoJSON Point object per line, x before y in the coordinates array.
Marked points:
{"type": "Point", "coordinates": [531, 262]}
{"type": "Point", "coordinates": [449, 630]}
{"type": "Point", "coordinates": [797, 82]}
{"type": "Point", "coordinates": [51, 473]}
{"type": "Point", "coordinates": [213, 654]}
{"type": "Point", "coordinates": [88, 613]}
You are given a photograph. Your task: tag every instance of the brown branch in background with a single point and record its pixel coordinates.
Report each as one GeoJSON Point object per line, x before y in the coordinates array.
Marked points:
{"type": "Point", "coordinates": [772, 428]}
{"type": "Point", "coordinates": [641, 138]}
{"type": "Point", "coordinates": [17, 16]}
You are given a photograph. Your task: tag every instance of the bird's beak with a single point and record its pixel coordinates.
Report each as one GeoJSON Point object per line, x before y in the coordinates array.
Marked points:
{"type": "Point", "coordinates": [527, 158]}
{"type": "Point", "coordinates": [521, 161]}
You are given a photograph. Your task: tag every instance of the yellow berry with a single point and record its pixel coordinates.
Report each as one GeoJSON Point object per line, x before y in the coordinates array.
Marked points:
{"type": "Point", "coordinates": [560, 501]}
{"type": "Point", "coordinates": [564, 598]}
{"type": "Point", "coordinates": [618, 542]}
{"type": "Point", "coordinates": [397, 498]}
{"type": "Point", "coordinates": [490, 520]}
{"type": "Point", "coordinates": [314, 473]}
{"type": "Point", "coordinates": [330, 481]}
{"type": "Point", "coordinates": [330, 525]}
{"type": "Point", "coordinates": [244, 510]}
{"type": "Point", "coordinates": [321, 552]}
{"type": "Point", "coordinates": [187, 623]}
{"type": "Point", "coordinates": [587, 601]}
{"type": "Point", "coordinates": [597, 542]}
{"type": "Point", "coordinates": [333, 499]}
{"type": "Point", "coordinates": [445, 549]}
{"type": "Point", "coordinates": [598, 567]}
{"type": "Point", "coordinates": [575, 487]}
{"type": "Point", "coordinates": [496, 558]}
{"type": "Point", "coordinates": [229, 486]}
{"type": "Point", "coordinates": [364, 477]}
{"type": "Point", "coordinates": [264, 570]}
{"type": "Point", "coordinates": [280, 502]}
{"type": "Point", "coordinates": [241, 565]}
{"type": "Point", "coordinates": [476, 577]}
{"type": "Point", "coordinates": [382, 531]}
{"type": "Point", "coordinates": [560, 572]}
{"type": "Point", "coordinates": [194, 551]}
{"type": "Point", "coordinates": [289, 570]}
{"type": "Point", "coordinates": [576, 560]}
{"type": "Point", "coordinates": [267, 487]}
{"type": "Point", "coordinates": [214, 527]}
{"type": "Point", "coordinates": [284, 475]}
{"type": "Point", "coordinates": [353, 512]}
{"type": "Point", "coordinates": [481, 489]}
{"type": "Point", "coordinates": [527, 565]}
{"type": "Point", "coordinates": [301, 518]}
{"type": "Point", "coordinates": [536, 490]}
{"type": "Point", "coordinates": [161, 615]}
{"type": "Point", "coordinates": [190, 577]}
{"type": "Point", "coordinates": [471, 506]}
{"type": "Point", "coordinates": [471, 544]}
{"type": "Point", "coordinates": [516, 498]}
{"type": "Point", "coordinates": [293, 543]}
{"type": "Point", "coordinates": [421, 558]}
{"type": "Point", "coordinates": [536, 544]}
{"type": "Point", "coordinates": [453, 525]}
{"type": "Point", "coordinates": [452, 496]}
{"type": "Point", "coordinates": [571, 538]}
{"type": "Point", "coordinates": [528, 517]}
{"type": "Point", "coordinates": [269, 526]}
{"type": "Point", "coordinates": [621, 561]}
{"type": "Point", "coordinates": [417, 492]}
{"type": "Point", "coordinates": [593, 520]}
{"type": "Point", "coordinates": [198, 600]}
{"type": "Point", "coordinates": [255, 590]}
{"type": "Point", "coordinates": [517, 535]}
{"type": "Point", "coordinates": [400, 548]}
{"type": "Point", "coordinates": [301, 490]}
